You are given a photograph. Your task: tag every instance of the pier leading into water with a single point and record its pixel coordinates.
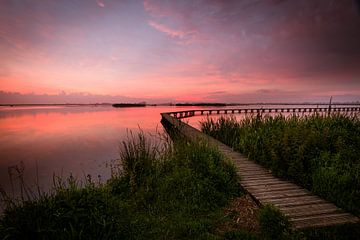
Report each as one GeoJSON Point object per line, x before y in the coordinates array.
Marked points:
{"type": "Point", "coordinates": [303, 208]}
{"type": "Point", "coordinates": [192, 113]}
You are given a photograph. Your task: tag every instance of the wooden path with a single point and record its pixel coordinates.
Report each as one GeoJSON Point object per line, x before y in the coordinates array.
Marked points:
{"type": "Point", "coordinates": [303, 208]}
{"type": "Point", "coordinates": [323, 109]}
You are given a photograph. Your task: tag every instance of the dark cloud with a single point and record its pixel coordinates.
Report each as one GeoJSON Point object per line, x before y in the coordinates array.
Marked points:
{"type": "Point", "coordinates": [281, 39]}
{"type": "Point", "coordinates": [279, 96]}
{"type": "Point", "coordinates": [358, 5]}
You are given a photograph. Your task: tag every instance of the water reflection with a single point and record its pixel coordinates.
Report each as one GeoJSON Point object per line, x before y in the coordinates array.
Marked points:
{"type": "Point", "coordinates": [64, 140]}
{"type": "Point", "coordinates": [77, 140]}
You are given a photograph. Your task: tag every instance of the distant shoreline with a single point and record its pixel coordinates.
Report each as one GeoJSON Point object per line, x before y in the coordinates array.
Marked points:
{"type": "Point", "coordinates": [55, 104]}
{"type": "Point", "coordinates": [163, 104]}
{"type": "Point", "coordinates": [126, 105]}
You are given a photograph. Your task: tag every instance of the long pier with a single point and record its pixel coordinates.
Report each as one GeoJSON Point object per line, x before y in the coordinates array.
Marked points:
{"type": "Point", "coordinates": [303, 208]}
{"type": "Point", "coordinates": [192, 113]}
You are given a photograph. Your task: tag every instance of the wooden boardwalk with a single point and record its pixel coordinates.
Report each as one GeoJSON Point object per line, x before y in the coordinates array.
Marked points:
{"type": "Point", "coordinates": [303, 208]}
{"type": "Point", "coordinates": [323, 109]}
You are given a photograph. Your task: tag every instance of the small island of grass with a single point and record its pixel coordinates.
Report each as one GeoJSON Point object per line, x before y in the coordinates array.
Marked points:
{"type": "Point", "coordinates": [126, 105]}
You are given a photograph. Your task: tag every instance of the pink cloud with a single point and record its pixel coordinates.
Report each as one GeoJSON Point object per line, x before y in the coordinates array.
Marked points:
{"type": "Point", "coordinates": [169, 18]}
{"type": "Point", "coordinates": [100, 3]}
{"type": "Point", "coordinates": [167, 30]}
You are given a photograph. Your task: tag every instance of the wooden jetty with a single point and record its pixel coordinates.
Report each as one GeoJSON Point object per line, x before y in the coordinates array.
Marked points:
{"type": "Point", "coordinates": [303, 208]}
{"type": "Point", "coordinates": [192, 113]}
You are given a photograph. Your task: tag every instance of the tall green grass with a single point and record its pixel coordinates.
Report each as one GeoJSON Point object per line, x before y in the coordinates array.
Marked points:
{"type": "Point", "coordinates": [321, 153]}
{"type": "Point", "coordinates": [171, 192]}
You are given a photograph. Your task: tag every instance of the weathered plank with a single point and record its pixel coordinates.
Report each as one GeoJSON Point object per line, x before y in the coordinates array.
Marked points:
{"type": "Point", "coordinates": [252, 182]}
{"type": "Point", "coordinates": [296, 203]}
{"type": "Point", "coordinates": [269, 189]}
{"type": "Point", "coordinates": [309, 208]}
{"type": "Point", "coordinates": [260, 177]}
{"type": "Point", "coordinates": [323, 220]}
{"type": "Point", "coordinates": [283, 194]}
{"type": "Point", "coordinates": [312, 212]}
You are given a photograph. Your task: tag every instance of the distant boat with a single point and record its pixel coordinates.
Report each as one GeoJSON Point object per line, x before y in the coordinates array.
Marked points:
{"type": "Point", "coordinates": [124, 105]}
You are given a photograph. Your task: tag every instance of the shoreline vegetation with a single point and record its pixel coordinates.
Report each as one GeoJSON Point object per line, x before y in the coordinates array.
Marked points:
{"type": "Point", "coordinates": [126, 105]}
{"type": "Point", "coordinates": [188, 190]}
{"type": "Point", "coordinates": [170, 191]}
{"type": "Point", "coordinates": [318, 152]}
{"type": "Point", "coordinates": [179, 190]}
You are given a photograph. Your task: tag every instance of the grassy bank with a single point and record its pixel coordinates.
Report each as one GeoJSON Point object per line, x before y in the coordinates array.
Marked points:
{"type": "Point", "coordinates": [174, 193]}
{"type": "Point", "coordinates": [321, 153]}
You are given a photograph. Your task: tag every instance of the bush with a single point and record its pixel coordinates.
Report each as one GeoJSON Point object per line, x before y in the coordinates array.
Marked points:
{"type": "Point", "coordinates": [171, 192]}
{"type": "Point", "coordinates": [71, 213]}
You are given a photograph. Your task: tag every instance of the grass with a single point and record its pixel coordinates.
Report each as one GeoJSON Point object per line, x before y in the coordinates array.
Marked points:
{"type": "Point", "coordinates": [179, 190]}
{"type": "Point", "coordinates": [316, 151]}
{"type": "Point", "coordinates": [170, 192]}
{"type": "Point", "coordinates": [273, 224]}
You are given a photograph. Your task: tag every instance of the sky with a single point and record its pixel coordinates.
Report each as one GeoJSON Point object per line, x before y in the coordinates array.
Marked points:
{"type": "Point", "coordinates": [59, 51]}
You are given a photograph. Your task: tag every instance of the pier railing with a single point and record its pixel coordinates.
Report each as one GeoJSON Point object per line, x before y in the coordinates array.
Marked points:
{"type": "Point", "coordinates": [191, 113]}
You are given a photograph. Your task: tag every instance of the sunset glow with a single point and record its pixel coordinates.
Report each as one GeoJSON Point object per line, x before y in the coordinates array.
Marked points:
{"type": "Point", "coordinates": [90, 51]}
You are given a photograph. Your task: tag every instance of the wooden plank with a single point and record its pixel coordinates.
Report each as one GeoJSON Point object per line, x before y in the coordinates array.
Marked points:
{"type": "Point", "coordinates": [268, 185]}
{"type": "Point", "coordinates": [252, 173]}
{"type": "Point", "coordinates": [309, 208]}
{"type": "Point", "coordinates": [297, 203]}
{"type": "Point", "coordinates": [322, 217]}
{"type": "Point", "coordinates": [324, 220]}
{"type": "Point", "coordinates": [262, 181]}
{"type": "Point", "coordinates": [261, 177]}
{"type": "Point", "coordinates": [244, 162]}
{"type": "Point", "coordinates": [314, 212]}
{"type": "Point", "coordinates": [246, 177]}
{"type": "Point", "coordinates": [240, 168]}
{"type": "Point", "coordinates": [253, 169]}
{"type": "Point", "coordinates": [303, 199]}
{"type": "Point", "coordinates": [244, 165]}
{"type": "Point", "coordinates": [294, 190]}
{"type": "Point", "coordinates": [329, 222]}
{"type": "Point", "coordinates": [269, 195]}
{"type": "Point", "coordinates": [272, 189]}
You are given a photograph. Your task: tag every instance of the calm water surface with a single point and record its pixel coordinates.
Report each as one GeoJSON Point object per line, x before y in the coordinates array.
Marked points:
{"type": "Point", "coordinates": [70, 140]}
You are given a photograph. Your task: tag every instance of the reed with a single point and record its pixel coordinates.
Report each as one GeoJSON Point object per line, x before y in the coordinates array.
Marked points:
{"type": "Point", "coordinates": [174, 191]}
{"type": "Point", "coordinates": [319, 152]}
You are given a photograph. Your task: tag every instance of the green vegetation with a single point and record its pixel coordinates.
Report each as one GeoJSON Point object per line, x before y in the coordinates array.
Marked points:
{"type": "Point", "coordinates": [273, 224]}
{"type": "Point", "coordinates": [179, 190]}
{"type": "Point", "coordinates": [174, 193]}
{"type": "Point", "coordinates": [126, 105]}
{"type": "Point", "coordinates": [318, 152]}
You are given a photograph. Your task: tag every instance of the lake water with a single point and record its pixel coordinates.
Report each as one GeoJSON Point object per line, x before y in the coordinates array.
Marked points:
{"type": "Point", "coordinates": [69, 140]}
